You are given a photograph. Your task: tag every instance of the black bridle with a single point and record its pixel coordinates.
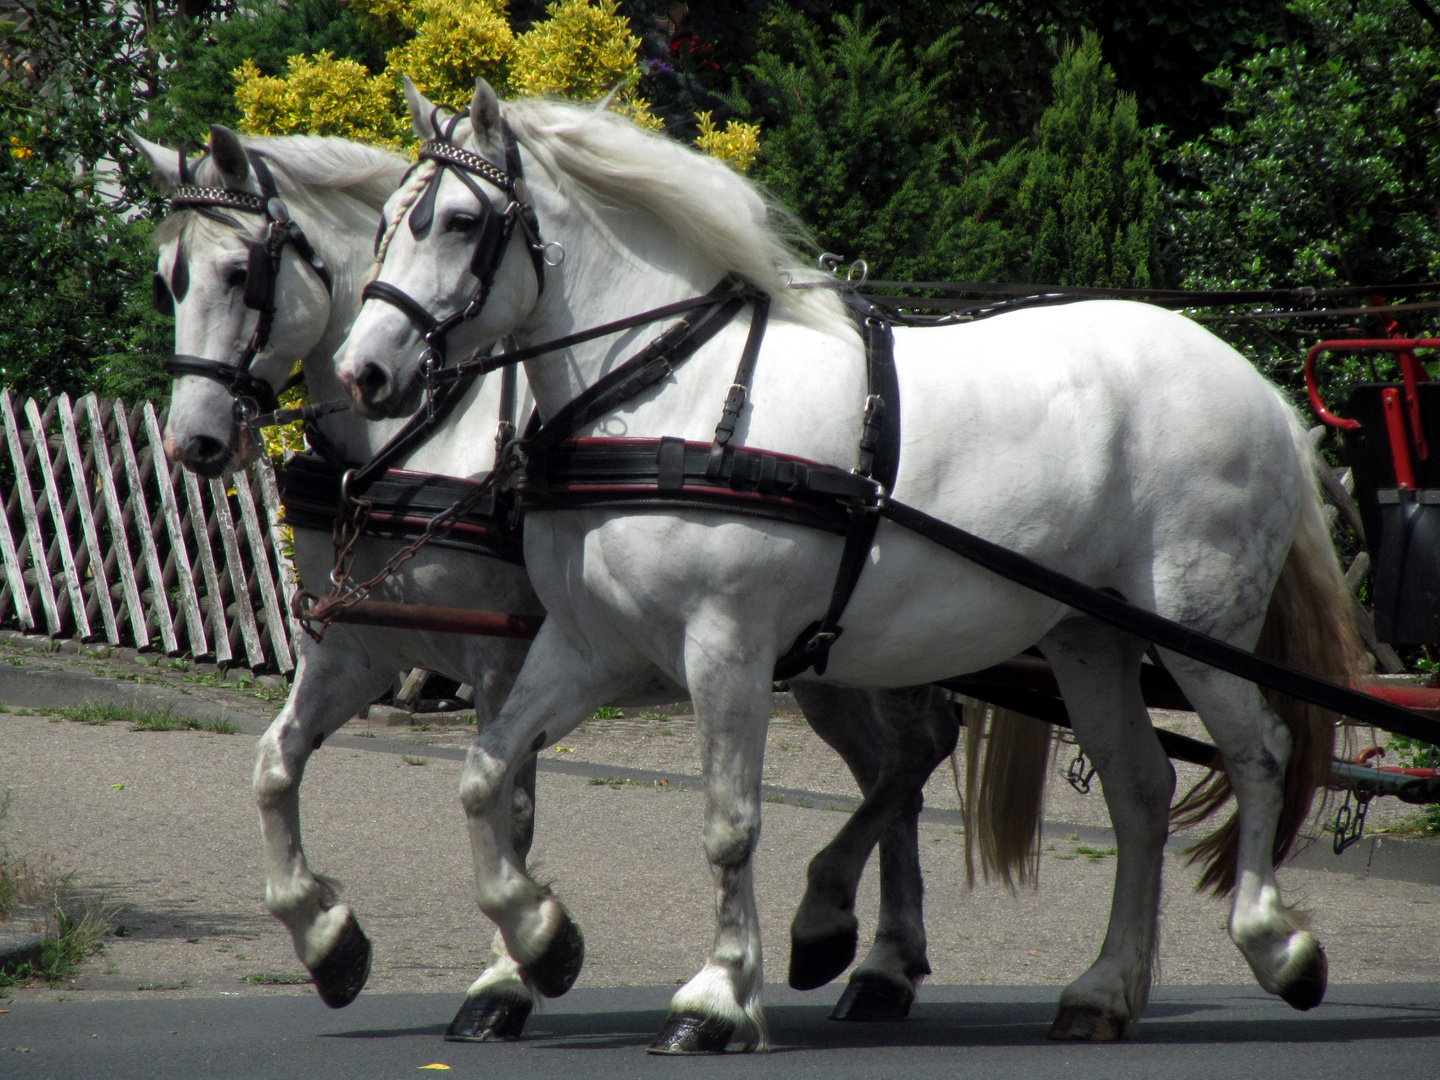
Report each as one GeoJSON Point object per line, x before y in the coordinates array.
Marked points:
{"type": "Point", "coordinates": [252, 394]}
{"type": "Point", "coordinates": [492, 237]}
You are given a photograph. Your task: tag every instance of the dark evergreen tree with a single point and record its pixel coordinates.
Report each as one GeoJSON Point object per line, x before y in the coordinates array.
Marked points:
{"type": "Point", "coordinates": [1090, 197]}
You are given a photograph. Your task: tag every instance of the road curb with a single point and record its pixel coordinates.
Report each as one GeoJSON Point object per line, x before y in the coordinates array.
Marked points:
{"type": "Point", "coordinates": [17, 948]}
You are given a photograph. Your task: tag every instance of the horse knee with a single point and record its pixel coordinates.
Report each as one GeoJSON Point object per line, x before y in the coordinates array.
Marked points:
{"type": "Point", "coordinates": [481, 783]}
{"type": "Point", "coordinates": [729, 842]}
{"type": "Point", "coordinates": [277, 773]}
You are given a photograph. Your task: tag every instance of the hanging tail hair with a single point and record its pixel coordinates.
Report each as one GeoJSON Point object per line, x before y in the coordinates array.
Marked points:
{"type": "Point", "coordinates": [1004, 802]}
{"type": "Point", "coordinates": [1309, 625]}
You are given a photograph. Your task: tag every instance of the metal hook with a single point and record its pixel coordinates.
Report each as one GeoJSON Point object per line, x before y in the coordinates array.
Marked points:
{"type": "Point", "coordinates": [864, 269]}
{"type": "Point", "coordinates": [545, 256]}
{"type": "Point", "coordinates": [830, 262]}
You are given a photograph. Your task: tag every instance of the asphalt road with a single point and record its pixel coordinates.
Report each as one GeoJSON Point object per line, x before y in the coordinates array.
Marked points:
{"type": "Point", "coordinates": [957, 1031]}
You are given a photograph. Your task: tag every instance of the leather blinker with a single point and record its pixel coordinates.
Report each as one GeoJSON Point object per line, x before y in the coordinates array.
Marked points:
{"type": "Point", "coordinates": [160, 295]}
{"type": "Point", "coordinates": [258, 275]}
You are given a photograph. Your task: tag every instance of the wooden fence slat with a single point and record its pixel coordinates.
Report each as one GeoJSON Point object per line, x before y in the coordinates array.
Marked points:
{"type": "Point", "coordinates": [274, 513]}
{"type": "Point", "coordinates": [31, 515]}
{"type": "Point", "coordinates": [57, 521]}
{"type": "Point", "coordinates": [260, 556]}
{"type": "Point", "coordinates": [115, 517]}
{"type": "Point", "coordinates": [87, 520]}
{"type": "Point", "coordinates": [201, 531]}
{"type": "Point", "coordinates": [14, 575]}
{"type": "Point", "coordinates": [189, 601]}
{"type": "Point", "coordinates": [144, 527]}
{"type": "Point", "coordinates": [249, 632]}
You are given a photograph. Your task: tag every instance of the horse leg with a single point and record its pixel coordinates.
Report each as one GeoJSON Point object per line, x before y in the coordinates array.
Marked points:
{"type": "Point", "coordinates": [333, 681]}
{"type": "Point", "coordinates": [499, 1002]}
{"type": "Point", "coordinates": [891, 741]}
{"type": "Point", "coordinates": [1098, 669]}
{"type": "Point", "coordinates": [732, 705]}
{"type": "Point", "coordinates": [558, 687]}
{"type": "Point", "coordinates": [1286, 958]}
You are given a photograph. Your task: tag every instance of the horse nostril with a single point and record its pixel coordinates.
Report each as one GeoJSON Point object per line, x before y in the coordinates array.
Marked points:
{"type": "Point", "coordinates": [372, 381]}
{"type": "Point", "coordinates": [203, 450]}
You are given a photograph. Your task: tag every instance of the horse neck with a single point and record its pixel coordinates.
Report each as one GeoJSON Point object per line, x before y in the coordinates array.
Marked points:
{"type": "Point", "coordinates": [616, 264]}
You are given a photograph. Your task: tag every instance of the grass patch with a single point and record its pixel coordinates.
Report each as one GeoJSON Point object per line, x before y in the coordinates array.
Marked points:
{"type": "Point", "coordinates": [408, 760]}
{"type": "Point", "coordinates": [73, 930]}
{"type": "Point", "coordinates": [609, 781]}
{"type": "Point", "coordinates": [97, 713]}
{"type": "Point", "coordinates": [775, 798]}
{"type": "Point", "coordinates": [608, 712]}
{"type": "Point", "coordinates": [1094, 854]}
{"type": "Point", "coordinates": [266, 978]}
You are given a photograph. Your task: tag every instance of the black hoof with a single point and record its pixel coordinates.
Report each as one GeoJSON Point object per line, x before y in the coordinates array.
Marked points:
{"type": "Point", "coordinates": [688, 1033]}
{"type": "Point", "coordinates": [1309, 989]}
{"type": "Point", "coordinates": [341, 975]}
{"type": "Point", "coordinates": [814, 963]}
{"type": "Point", "coordinates": [558, 966]}
{"type": "Point", "coordinates": [873, 998]}
{"type": "Point", "coordinates": [1085, 1023]}
{"type": "Point", "coordinates": [489, 1017]}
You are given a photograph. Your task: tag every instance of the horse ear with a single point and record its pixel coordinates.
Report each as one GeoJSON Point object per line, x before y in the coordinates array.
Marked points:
{"type": "Point", "coordinates": [164, 162]}
{"type": "Point", "coordinates": [421, 109]}
{"type": "Point", "coordinates": [228, 154]}
{"type": "Point", "coordinates": [484, 113]}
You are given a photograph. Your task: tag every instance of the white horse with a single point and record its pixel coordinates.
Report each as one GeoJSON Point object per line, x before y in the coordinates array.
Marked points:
{"type": "Point", "coordinates": [334, 189]}
{"type": "Point", "coordinates": [1113, 442]}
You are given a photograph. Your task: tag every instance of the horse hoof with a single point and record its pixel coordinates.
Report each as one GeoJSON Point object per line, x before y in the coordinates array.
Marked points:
{"type": "Point", "coordinates": [556, 969]}
{"type": "Point", "coordinates": [873, 998]}
{"type": "Point", "coordinates": [814, 963]}
{"type": "Point", "coordinates": [1085, 1023]}
{"type": "Point", "coordinates": [1308, 989]}
{"type": "Point", "coordinates": [341, 975]}
{"type": "Point", "coordinates": [690, 1033]}
{"type": "Point", "coordinates": [489, 1017]}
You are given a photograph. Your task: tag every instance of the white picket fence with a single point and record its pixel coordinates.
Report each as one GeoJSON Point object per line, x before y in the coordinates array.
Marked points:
{"type": "Point", "coordinates": [103, 539]}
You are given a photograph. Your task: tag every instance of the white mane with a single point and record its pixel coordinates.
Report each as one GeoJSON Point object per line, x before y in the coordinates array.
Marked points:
{"type": "Point", "coordinates": [724, 219]}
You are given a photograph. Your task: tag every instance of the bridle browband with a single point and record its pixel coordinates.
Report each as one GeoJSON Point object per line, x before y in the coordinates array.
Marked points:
{"type": "Point", "coordinates": [492, 234]}
{"type": "Point", "coordinates": [252, 394]}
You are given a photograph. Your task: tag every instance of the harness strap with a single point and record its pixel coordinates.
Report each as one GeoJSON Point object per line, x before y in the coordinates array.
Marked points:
{"type": "Point", "coordinates": [416, 430]}
{"type": "Point", "coordinates": [656, 361]}
{"type": "Point", "coordinates": [739, 390]}
{"type": "Point", "coordinates": [879, 460]}
{"type": "Point", "coordinates": [239, 381]}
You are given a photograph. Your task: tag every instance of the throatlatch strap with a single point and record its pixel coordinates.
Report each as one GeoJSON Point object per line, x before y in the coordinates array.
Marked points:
{"type": "Point", "coordinates": [879, 459]}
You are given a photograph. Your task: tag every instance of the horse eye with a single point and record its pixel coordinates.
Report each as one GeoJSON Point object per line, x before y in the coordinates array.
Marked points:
{"type": "Point", "coordinates": [461, 223]}
{"type": "Point", "coordinates": [235, 279]}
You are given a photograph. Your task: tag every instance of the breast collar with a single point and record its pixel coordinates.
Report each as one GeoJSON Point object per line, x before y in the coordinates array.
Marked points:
{"type": "Point", "coordinates": [252, 394]}
{"type": "Point", "coordinates": [492, 235]}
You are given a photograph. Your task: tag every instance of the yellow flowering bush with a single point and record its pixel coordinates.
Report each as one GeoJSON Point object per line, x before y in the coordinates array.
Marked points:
{"type": "Point", "coordinates": [582, 50]}
{"type": "Point", "coordinates": [736, 144]}
{"type": "Point", "coordinates": [455, 41]}
{"type": "Point", "coordinates": [319, 96]}
{"type": "Point", "coordinates": [284, 438]}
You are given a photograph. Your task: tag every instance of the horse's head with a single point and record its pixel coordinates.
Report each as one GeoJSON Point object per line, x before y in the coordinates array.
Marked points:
{"type": "Point", "coordinates": [459, 260]}
{"type": "Point", "coordinates": [249, 295]}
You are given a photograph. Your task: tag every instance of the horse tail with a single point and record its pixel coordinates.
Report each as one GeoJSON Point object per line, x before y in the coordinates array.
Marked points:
{"type": "Point", "coordinates": [1309, 625]}
{"type": "Point", "coordinates": [1004, 799]}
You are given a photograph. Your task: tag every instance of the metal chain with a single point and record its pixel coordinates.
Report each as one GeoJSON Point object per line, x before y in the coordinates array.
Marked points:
{"type": "Point", "coordinates": [350, 528]}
